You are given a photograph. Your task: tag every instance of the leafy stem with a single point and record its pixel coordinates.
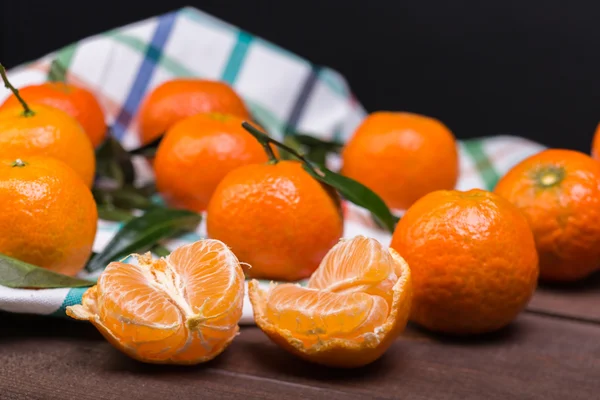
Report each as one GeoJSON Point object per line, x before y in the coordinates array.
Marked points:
{"type": "Point", "coordinates": [265, 140]}
{"type": "Point", "coordinates": [350, 189]}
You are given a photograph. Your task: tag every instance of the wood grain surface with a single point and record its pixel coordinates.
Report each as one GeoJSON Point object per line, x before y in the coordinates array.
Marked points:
{"type": "Point", "coordinates": [578, 301]}
{"type": "Point", "coordinates": [537, 357]}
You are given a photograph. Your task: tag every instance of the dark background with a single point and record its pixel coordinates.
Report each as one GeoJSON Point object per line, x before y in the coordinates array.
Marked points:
{"type": "Point", "coordinates": [524, 67]}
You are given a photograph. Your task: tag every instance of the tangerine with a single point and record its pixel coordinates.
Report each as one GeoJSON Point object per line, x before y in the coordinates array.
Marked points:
{"type": "Point", "coordinates": [559, 193]}
{"type": "Point", "coordinates": [179, 98]}
{"type": "Point", "coordinates": [473, 260]}
{"type": "Point", "coordinates": [48, 216]}
{"type": "Point", "coordinates": [50, 132]}
{"type": "Point", "coordinates": [275, 217]}
{"type": "Point", "coordinates": [197, 153]}
{"type": "Point", "coordinates": [401, 156]}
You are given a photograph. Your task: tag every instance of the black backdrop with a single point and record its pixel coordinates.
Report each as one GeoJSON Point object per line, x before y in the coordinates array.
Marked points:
{"type": "Point", "coordinates": [525, 67]}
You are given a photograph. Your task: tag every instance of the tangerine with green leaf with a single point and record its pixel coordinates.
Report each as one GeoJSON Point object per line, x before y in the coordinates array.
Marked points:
{"type": "Point", "coordinates": [559, 193]}
{"type": "Point", "coordinates": [276, 218]}
{"type": "Point", "coordinates": [48, 214]}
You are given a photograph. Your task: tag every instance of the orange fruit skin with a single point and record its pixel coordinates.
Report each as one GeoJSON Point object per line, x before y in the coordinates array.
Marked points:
{"type": "Point", "coordinates": [177, 99]}
{"type": "Point", "coordinates": [596, 144]}
{"type": "Point", "coordinates": [197, 153]}
{"type": "Point", "coordinates": [401, 157]}
{"type": "Point", "coordinates": [473, 261]}
{"type": "Point", "coordinates": [335, 353]}
{"type": "Point", "coordinates": [275, 217]}
{"type": "Point", "coordinates": [355, 349]}
{"type": "Point", "coordinates": [48, 215]}
{"type": "Point", "coordinates": [559, 193]}
{"type": "Point", "coordinates": [76, 101]}
{"type": "Point", "coordinates": [50, 132]}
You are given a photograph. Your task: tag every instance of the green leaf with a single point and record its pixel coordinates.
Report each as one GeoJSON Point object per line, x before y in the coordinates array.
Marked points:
{"type": "Point", "coordinates": [127, 198]}
{"type": "Point", "coordinates": [318, 155]}
{"type": "Point", "coordinates": [147, 190]}
{"type": "Point", "coordinates": [18, 274]}
{"type": "Point", "coordinates": [141, 233]}
{"type": "Point", "coordinates": [147, 150]}
{"type": "Point", "coordinates": [291, 142]}
{"type": "Point", "coordinates": [109, 213]}
{"type": "Point", "coordinates": [352, 190]}
{"type": "Point", "coordinates": [312, 141]}
{"type": "Point", "coordinates": [314, 149]}
{"type": "Point", "coordinates": [356, 193]}
{"type": "Point", "coordinates": [113, 162]}
{"type": "Point", "coordinates": [160, 250]}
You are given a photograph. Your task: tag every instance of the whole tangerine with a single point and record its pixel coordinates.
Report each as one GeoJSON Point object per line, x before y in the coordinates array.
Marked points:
{"type": "Point", "coordinates": [179, 98]}
{"type": "Point", "coordinates": [276, 218]}
{"type": "Point", "coordinates": [50, 132]}
{"type": "Point", "coordinates": [48, 215]}
{"type": "Point", "coordinates": [197, 153]}
{"type": "Point", "coordinates": [473, 260]}
{"type": "Point", "coordinates": [401, 156]}
{"type": "Point", "coordinates": [559, 193]}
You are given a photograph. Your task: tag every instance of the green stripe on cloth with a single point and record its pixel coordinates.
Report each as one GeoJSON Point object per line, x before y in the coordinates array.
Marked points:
{"type": "Point", "coordinates": [236, 58]}
{"type": "Point", "coordinates": [483, 165]}
{"type": "Point", "coordinates": [66, 54]}
{"type": "Point", "coordinates": [72, 298]}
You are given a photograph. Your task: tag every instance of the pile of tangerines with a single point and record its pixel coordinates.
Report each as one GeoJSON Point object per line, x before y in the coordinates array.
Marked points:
{"type": "Point", "coordinates": [460, 262]}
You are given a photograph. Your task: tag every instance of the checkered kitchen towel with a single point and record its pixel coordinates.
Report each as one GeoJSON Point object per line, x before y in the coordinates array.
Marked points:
{"type": "Point", "coordinates": [282, 90]}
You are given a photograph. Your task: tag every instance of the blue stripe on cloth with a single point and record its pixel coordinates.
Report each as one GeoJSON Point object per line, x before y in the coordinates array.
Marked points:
{"type": "Point", "coordinates": [302, 99]}
{"type": "Point", "coordinates": [72, 298]}
{"type": "Point", "coordinates": [236, 58]}
{"type": "Point", "coordinates": [140, 84]}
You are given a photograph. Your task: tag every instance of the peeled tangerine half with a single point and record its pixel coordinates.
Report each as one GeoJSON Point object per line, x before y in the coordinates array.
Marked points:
{"type": "Point", "coordinates": [354, 306]}
{"type": "Point", "coordinates": [182, 309]}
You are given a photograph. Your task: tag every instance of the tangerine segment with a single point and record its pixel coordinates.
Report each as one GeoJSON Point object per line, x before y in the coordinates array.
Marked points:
{"type": "Point", "coordinates": [343, 323]}
{"type": "Point", "coordinates": [361, 264]}
{"type": "Point", "coordinates": [181, 310]}
{"type": "Point", "coordinates": [314, 314]}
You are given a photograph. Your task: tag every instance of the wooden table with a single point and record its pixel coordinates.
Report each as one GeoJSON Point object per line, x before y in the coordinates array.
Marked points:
{"type": "Point", "coordinates": [552, 351]}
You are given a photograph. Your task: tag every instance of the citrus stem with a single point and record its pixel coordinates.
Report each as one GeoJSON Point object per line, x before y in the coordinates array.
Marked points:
{"type": "Point", "coordinates": [27, 111]}
{"type": "Point", "coordinates": [550, 176]}
{"type": "Point", "coordinates": [265, 140]}
{"type": "Point", "coordinates": [18, 163]}
{"type": "Point", "coordinates": [270, 153]}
